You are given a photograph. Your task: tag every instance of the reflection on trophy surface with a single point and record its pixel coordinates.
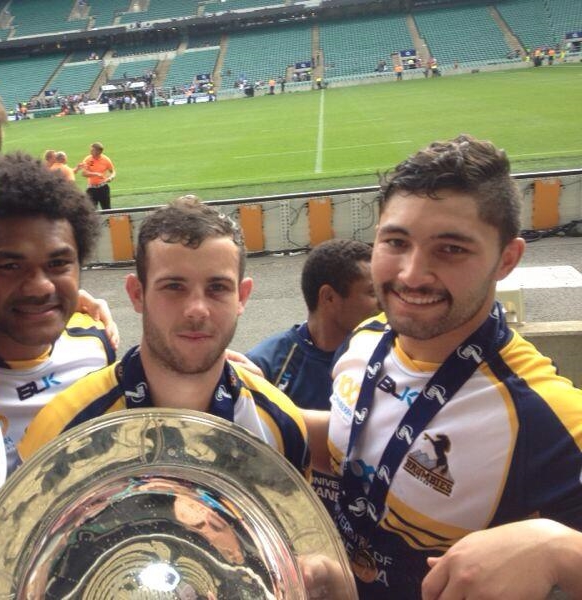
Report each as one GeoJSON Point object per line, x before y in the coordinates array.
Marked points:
{"type": "Point", "coordinates": [160, 503]}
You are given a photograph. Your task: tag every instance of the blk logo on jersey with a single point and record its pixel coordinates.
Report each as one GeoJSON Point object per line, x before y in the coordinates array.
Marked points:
{"type": "Point", "coordinates": [388, 385]}
{"type": "Point", "coordinates": [32, 388]}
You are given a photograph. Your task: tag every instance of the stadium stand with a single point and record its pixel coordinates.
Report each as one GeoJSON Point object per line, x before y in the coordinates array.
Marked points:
{"type": "Point", "coordinates": [36, 17]}
{"type": "Point", "coordinates": [355, 47]}
{"type": "Point", "coordinates": [102, 13]}
{"type": "Point", "coordinates": [197, 41]}
{"type": "Point", "coordinates": [529, 20]}
{"type": "Point", "coordinates": [22, 78]}
{"type": "Point", "coordinates": [161, 9]}
{"type": "Point", "coordinates": [217, 7]}
{"type": "Point", "coordinates": [565, 17]}
{"type": "Point", "coordinates": [75, 78]}
{"type": "Point", "coordinates": [462, 34]}
{"type": "Point", "coordinates": [185, 67]}
{"type": "Point", "coordinates": [265, 54]}
{"type": "Point", "coordinates": [345, 47]}
{"type": "Point", "coordinates": [145, 48]}
{"type": "Point", "coordinates": [134, 68]}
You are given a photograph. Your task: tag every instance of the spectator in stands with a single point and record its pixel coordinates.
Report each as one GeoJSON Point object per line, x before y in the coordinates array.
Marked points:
{"type": "Point", "coordinates": [60, 166]}
{"type": "Point", "coordinates": [99, 171]}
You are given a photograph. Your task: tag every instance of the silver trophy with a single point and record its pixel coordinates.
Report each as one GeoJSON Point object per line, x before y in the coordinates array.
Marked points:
{"type": "Point", "coordinates": [165, 504]}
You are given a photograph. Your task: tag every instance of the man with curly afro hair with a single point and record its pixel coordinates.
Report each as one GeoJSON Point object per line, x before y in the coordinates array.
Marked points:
{"type": "Point", "coordinates": [48, 229]}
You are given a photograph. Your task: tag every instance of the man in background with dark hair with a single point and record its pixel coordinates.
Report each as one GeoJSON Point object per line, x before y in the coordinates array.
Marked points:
{"type": "Point", "coordinates": [338, 291]}
{"type": "Point", "coordinates": [339, 295]}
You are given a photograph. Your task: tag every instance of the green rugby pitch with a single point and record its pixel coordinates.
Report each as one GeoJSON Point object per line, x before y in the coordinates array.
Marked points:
{"type": "Point", "coordinates": [315, 140]}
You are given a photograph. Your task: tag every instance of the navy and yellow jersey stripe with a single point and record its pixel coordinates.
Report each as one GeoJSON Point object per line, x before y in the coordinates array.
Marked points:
{"type": "Point", "coordinates": [260, 408]}
{"type": "Point", "coordinates": [281, 418]}
{"type": "Point", "coordinates": [514, 433]}
{"type": "Point", "coordinates": [95, 394]}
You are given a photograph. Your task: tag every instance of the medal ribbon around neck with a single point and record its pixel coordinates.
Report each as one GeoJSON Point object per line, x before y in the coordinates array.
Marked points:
{"type": "Point", "coordinates": [363, 508]}
{"type": "Point", "coordinates": [136, 390]}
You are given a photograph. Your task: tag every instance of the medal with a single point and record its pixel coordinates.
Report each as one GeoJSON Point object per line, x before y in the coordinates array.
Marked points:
{"type": "Point", "coordinates": [364, 566]}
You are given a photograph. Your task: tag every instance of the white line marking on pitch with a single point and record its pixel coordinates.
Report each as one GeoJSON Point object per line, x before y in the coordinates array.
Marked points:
{"type": "Point", "coordinates": [319, 153]}
{"type": "Point", "coordinates": [329, 149]}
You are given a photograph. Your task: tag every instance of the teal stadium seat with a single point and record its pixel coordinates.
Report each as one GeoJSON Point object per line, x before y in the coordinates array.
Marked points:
{"type": "Point", "coordinates": [529, 21]}
{"type": "Point", "coordinates": [104, 12]}
{"type": "Point", "coordinates": [162, 9]}
{"type": "Point", "coordinates": [35, 17]}
{"type": "Point", "coordinates": [265, 54]}
{"type": "Point", "coordinates": [22, 78]}
{"type": "Point", "coordinates": [354, 47]}
{"type": "Point", "coordinates": [464, 35]}
{"type": "Point", "coordinates": [186, 66]}
{"type": "Point", "coordinates": [76, 77]}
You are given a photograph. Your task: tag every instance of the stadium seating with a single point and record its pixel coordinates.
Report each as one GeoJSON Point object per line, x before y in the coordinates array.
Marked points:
{"type": "Point", "coordinates": [76, 78]}
{"type": "Point", "coordinates": [565, 17]}
{"type": "Point", "coordinates": [104, 12]}
{"type": "Point", "coordinates": [134, 68]}
{"type": "Point", "coordinates": [529, 20]}
{"type": "Point", "coordinates": [464, 35]}
{"type": "Point", "coordinates": [34, 17]}
{"type": "Point", "coordinates": [355, 47]}
{"type": "Point", "coordinates": [265, 54]}
{"type": "Point", "coordinates": [185, 67]}
{"type": "Point", "coordinates": [215, 7]}
{"type": "Point", "coordinates": [161, 9]}
{"type": "Point", "coordinates": [25, 77]}
{"type": "Point", "coordinates": [145, 48]}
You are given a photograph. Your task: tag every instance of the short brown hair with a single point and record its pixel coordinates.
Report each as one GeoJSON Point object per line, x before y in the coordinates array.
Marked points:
{"type": "Point", "coordinates": [189, 222]}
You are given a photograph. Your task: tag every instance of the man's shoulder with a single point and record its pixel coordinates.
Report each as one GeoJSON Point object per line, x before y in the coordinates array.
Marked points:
{"type": "Point", "coordinates": [535, 369]}
{"type": "Point", "coordinates": [84, 322]}
{"type": "Point", "coordinates": [275, 345]}
{"type": "Point", "coordinates": [258, 385]}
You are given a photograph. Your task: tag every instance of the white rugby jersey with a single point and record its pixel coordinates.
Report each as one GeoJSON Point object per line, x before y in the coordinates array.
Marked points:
{"type": "Point", "coordinates": [26, 386]}
{"type": "Point", "coordinates": [506, 446]}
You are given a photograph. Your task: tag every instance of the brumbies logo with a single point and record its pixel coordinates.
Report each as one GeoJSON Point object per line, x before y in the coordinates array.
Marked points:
{"type": "Point", "coordinates": [360, 415]}
{"type": "Point", "coordinates": [432, 467]}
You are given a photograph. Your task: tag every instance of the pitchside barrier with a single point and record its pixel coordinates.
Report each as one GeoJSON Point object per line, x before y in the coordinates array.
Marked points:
{"type": "Point", "coordinates": [296, 222]}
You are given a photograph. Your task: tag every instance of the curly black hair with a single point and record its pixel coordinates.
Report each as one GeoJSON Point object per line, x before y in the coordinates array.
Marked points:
{"type": "Point", "coordinates": [28, 189]}
{"type": "Point", "coordinates": [335, 263]}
